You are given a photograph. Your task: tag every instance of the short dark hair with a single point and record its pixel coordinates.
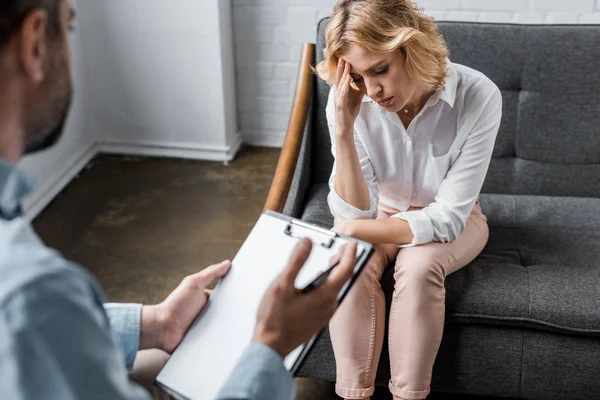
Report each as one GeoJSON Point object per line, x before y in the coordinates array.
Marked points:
{"type": "Point", "coordinates": [14, 12]}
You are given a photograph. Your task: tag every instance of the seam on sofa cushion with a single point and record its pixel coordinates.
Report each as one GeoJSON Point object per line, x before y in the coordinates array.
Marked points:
{"type": "Point", "coordinates": [535, 322]}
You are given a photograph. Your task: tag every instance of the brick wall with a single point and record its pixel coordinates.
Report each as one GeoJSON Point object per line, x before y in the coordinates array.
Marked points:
{"type": "Point", "coordinates": [269, 33]}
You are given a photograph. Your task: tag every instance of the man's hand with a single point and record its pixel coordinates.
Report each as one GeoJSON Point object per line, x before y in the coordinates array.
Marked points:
{"type": "Point", "coordinates": [287, 318]}
{"type": "Point", "coordinates": [165, 324]}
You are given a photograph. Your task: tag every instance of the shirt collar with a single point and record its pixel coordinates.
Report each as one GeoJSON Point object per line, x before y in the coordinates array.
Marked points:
{"type": "Point", "coordinates": [448, 94]}
{"type": "Point", "coordinates": [15, 185]}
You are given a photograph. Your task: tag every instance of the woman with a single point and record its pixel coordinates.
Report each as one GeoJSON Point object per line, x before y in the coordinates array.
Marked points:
{"type": "Point", "coordinates": [412, 135]}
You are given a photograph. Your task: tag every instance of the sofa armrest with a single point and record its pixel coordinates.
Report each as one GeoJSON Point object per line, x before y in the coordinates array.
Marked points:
{"type": "Point", "coordinates": [294, 138]}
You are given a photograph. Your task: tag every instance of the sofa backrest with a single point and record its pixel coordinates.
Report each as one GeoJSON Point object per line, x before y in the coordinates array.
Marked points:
{"type": "Point", "coordinates": [549, 139]}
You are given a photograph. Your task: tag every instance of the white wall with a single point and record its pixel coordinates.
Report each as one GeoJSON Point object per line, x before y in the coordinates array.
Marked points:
{"type": "Point", "coordinates": [55, 168]}
{"type": "Point", "coordinates": [269, 34]}
{"type": "Point", "coordinates": [161, 78]}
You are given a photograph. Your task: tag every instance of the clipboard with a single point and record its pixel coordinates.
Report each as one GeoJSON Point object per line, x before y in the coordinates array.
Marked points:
{"type": "Point", "coordinates": [207, 355]}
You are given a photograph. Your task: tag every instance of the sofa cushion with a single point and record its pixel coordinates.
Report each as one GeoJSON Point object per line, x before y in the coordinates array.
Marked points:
{"type": "Point", "coordinates": [540, 268]}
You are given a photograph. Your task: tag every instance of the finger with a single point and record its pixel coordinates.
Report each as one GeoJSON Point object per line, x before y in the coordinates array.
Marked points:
{"type": "Point", "coordinates": [336, 258]}
{"type": "Point", "coordinates": [343, 88]}
{"type": "Point", "coordinates": [203, 278]}
{"type": "Point", "coordinates": [208, 292]}
{"type": "Point", "coordinates": [340, 274]}
{"type": "Point", "coordinates": [339, 71]}
{"type": "Point", "coordinates": [296, 262]}
{"type": "Point", "coordinates": [347, 68]}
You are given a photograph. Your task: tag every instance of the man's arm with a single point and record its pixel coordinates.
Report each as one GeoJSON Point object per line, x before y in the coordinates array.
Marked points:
{"type": "Point", "coordinates": [125, 321]}
{"type": "Point", "coordinates": [260, 374]}
{"type": "Point", "coordinates": [57, 343]}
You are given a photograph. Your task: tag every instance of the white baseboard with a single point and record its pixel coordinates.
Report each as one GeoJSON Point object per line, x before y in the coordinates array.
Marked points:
{"type": "Point", "coordinates": [191, 151]}
{"type": "Point", "coordinates": [52, 187]}
{"type": "Point", "coordinates": [45, 193]}
{"type": "Point", "coordinates": [234, 148]}
{"type": "Point", "coordinates": [264, 139]}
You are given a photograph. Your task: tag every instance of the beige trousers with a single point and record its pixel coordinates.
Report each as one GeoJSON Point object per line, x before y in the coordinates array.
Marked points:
{"type": "Point", "coordinates": [416, 318]}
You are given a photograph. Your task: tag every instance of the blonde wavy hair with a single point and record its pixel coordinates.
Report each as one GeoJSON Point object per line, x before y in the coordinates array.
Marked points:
{"type": "Point", "coordinates": [382, 26]}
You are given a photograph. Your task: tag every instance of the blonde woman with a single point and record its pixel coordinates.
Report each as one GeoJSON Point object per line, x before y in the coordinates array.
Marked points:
{"type": "Point", "coordinates": [412, 135]}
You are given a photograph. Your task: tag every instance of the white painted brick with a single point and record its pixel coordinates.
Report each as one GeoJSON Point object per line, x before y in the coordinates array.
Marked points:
{"type": "Point", "coordinates": [292, 87]}
{"type": "Point", "coordinates": [324, 12]}
{"type": "Point", "coordinates": [272, 53]}
{"type": "Point", "coordinates": [285, 71]}
{"type": "Point", "coordinates": [249, 52]}
{"type": "Point", "coordinates": [590, 19]}
{"type": "Point", "coordinates": [304, 17]}
{"type": "Point", "coordinates": [260, 70]}
{"type": "Point", "coordinates": [314, 3]}
{"type": "Point", "coordinates": [530, 18]}
{"type": "Point", "coordinates": [247, 87]}
{"type": "Point", "coordinates": [263, 121]}
{"type": "Point", "coordinates": [562, 18]}
{"type": "Point", "coordinates": [245, 53]}
{"type": "Point", "coordinates": [271, 105]}
{"type": "Point", "coordinates": [570, 6]}
{"type": "Point", "coordinates": [246, 103]}
{"type": "Point", "coordinates": [274, 88]}
{"type": "Point", "coordinates": [498, 17]}
{"type": "Point", "coordinates": [258, 15]}
{"type": "Point", "coordinates": [293, 35]}
{"type": "Point", "coordinates": [283, 105]}
{"type": "Point", "coordinates": [252, 2]}
{"type": "Point", "coordinates": [438, 15]}
{"type": "Point", "coordinates": [249, 120]}
{"type": "Point", "coordinates": [440, 4]}
{"type": "Point", "coordinates": [294, 54]}
{"type": "Point", "coordinates": [468, 16]}
{"type": "Point", "coordinates": [495, 5]}
{"type": "Point", "coordinates": [253, 33]}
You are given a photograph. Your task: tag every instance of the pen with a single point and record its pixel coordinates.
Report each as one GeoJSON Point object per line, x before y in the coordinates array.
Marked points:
{"type": "Point", "coordinates": [319, 279]}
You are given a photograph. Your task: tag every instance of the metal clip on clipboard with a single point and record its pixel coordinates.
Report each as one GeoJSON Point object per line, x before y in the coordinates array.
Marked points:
{"type": "Point", "coordinates": [319, 236]}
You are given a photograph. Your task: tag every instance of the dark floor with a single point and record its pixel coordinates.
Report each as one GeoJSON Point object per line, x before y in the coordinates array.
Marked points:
{"type": "Point", "coordinates": [142, 224]}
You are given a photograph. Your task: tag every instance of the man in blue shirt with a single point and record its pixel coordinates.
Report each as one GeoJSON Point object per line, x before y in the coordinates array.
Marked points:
{"type": "Point", "coordinates": [58, 340]}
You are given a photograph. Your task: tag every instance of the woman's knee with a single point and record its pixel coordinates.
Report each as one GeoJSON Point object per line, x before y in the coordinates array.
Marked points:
{"type": "Point", "coordinates": [368, 280]}
{"type": "Point", "coordinates": [416, 267]}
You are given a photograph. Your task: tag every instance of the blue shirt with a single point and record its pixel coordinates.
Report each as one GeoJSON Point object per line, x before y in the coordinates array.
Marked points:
{"type": "Point", "coordinates": [58, 338]}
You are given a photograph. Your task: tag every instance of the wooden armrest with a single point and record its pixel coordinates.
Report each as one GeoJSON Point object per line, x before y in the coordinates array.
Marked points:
{"type": "Point", "coordinates": [288, 158]}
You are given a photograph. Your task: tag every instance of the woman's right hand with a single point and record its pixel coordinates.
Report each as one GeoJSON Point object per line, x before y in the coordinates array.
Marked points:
{"type": "Point", "coordinates": [348, 99]}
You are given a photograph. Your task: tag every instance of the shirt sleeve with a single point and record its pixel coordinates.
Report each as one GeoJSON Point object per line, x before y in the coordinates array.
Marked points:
{"type": "Point", "coordinates": [260, 374]}
{"type": "Point", "coordinates": [339, 208]}
{"type": "Point", "coordinates": [57, 344]}
{"type": "Point", "coordinates": [125, 320]}
{"type": "Point", "coordinates": [445, 219]}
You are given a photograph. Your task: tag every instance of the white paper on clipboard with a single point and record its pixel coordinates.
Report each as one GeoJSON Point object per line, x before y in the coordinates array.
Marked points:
{"type": "Point", "coordinates": [219, 337]}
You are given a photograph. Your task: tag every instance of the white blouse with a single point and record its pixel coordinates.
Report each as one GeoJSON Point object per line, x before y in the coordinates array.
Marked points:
{"type": "Point", "coordinates": [439, 162]}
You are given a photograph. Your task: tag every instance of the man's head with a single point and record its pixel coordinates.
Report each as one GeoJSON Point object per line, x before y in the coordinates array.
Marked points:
{"type": "Point", "coordinates": [35, 73]}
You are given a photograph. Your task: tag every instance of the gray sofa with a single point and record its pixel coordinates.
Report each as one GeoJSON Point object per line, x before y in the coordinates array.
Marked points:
{"type": "Point", "coordinates": [523, 320]}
